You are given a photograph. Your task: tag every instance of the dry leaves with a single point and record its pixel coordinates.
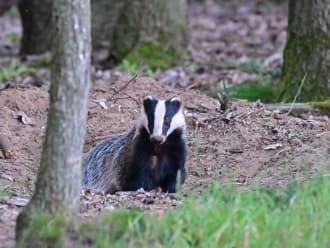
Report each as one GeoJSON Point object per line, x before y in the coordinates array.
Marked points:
{"type": "Point", "coordinates": [22, 117]}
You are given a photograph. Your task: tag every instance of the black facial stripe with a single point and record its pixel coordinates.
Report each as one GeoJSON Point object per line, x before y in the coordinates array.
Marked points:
{"type": "Point", "coordinates": [149, 108]}
{"type": "Point", "coordinates": [172, 107]}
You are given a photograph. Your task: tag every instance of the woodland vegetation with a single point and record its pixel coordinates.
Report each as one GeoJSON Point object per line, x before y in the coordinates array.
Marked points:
{"type": "Point", "coordinates": [75, 73]}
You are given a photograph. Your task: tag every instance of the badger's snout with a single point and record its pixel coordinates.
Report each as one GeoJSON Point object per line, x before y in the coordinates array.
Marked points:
{"type": "Point", "coordinates": [157, 139]}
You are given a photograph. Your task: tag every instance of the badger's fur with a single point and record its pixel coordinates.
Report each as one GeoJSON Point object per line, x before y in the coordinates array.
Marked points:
{"type": "Point", "coordinates": [151, 156]}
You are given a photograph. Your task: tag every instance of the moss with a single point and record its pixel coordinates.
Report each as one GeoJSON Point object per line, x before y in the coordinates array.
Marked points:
{"type": "Point", "coordinates": [323, 105]}
{"type": "Point", "coordinates": [252, 92]}
{"type": "Point", "coordinates": [303, 54]}
{"type": "Point", "coordinates": [263, 91]}
{"type": "Point", "coordinates": [152, 55]}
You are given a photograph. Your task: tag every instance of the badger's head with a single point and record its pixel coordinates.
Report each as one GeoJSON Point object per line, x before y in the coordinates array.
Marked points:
{"type": "Point", "coordinates": [161, 118]}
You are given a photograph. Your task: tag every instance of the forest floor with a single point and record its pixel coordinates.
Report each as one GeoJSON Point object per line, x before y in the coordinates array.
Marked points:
{"type": "Point", "coordinates": [244, 145]}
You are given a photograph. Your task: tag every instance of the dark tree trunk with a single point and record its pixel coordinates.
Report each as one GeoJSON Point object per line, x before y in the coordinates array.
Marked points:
{"type": "Point", "coordinates": [307, 51]}
{"type": "Point", "coordinates": [161, 24]}
{"type": "Point", "coordinates": [38, 27]}
{"type": "Point", "coordinates": [58, 183]}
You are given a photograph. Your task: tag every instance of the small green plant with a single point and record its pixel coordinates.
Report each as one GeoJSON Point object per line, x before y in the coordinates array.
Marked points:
{"type": "Point", "coordinates": [133, 68]}
{"type": "Point", "coordinates": [4, 193]}
{"type": "Point", "coordinates": [14, 70]}
{"type": "Point", "coordinates": [12, 37]}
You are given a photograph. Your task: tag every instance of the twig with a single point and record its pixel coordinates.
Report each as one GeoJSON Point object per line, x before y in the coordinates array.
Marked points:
{"type": "Point", "coordinates": [298, 93]}
{"type": "Point", "coordinates": [295, 108]}
{"type": "Point", "coordinates": [320, 134]}
{"type": "Point", "coordinates": [133, 98]}
{"type": "Point", "coordinates": [126, 85]}
{"type": "Point", "coordinates": [223, 100]}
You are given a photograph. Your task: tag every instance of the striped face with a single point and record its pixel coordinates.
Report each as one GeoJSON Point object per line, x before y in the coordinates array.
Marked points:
{"type": "Point", "coordinates": [161, 117]}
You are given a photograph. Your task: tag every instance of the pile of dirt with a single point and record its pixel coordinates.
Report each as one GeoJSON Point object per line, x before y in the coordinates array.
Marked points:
{"type": "Point", "coordinates": [244, 145]}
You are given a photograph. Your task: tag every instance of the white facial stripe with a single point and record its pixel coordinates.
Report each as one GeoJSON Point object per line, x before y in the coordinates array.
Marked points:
{"type": "Point", "coordinates": [178, 121]}
{"type": "Point", "coordinates": [176, 98]}
{"type": "Point", "coordinates": [159, 118]}
{"type": "Point", "coordinates": [144, 120]}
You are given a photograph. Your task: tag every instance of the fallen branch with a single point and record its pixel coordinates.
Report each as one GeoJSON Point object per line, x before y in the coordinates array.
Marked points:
{"type": "Point", "coordinates": [297, 108]}
{"type": "Point", "coordinates": [124, 86]}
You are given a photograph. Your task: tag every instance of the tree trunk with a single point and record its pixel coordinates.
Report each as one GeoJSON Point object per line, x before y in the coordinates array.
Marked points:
{"type": "Point", "coordinates": [307, 51]}
{"type": "Point", "coordinates": [38, 27]}
{"type": "Point", "coordinates": [58, 184]}
{"type": "Point", "coordinates": [151, 30]}
{"type": "Point", "coordinates": [104, 17]}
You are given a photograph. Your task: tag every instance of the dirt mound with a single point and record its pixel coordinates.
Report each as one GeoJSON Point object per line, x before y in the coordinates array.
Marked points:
{"type": "Point", "coordinates": [243, 145]}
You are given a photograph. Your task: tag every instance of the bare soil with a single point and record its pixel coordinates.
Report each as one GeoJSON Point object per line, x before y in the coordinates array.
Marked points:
{"type": "Point", "coordinates": [224, 147]}
{"type": "Point", "coordinates": [244, 145]}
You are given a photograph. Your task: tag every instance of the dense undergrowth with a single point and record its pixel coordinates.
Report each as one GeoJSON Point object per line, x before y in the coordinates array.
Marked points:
{"type": "Point", "coordinates": [221, 217]}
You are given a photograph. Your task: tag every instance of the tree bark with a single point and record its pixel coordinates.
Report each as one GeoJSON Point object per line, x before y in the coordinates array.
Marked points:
{"type": "Point", "coordinates": [104, 18]}
{"type": "Point", "coordinates": [38, 27]}
{"type": "Point", "coordinates": [307, 51]}
{"type": "Point", "coordinates": [58, 184]}
{"type": "Point", "coordinates": [162, 23]}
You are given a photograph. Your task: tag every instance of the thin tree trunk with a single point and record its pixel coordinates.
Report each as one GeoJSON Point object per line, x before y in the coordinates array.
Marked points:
{"type": "Point", "coordinates": [307, 51]}
{"type": "Point", "coordinates": [58, 183]}
{"type": "Point", "coordinates": [38, 27]}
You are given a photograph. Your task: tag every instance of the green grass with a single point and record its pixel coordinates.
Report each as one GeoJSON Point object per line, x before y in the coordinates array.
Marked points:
{"type": "Point", "coordinates": [133, 68]}
{"type": "Point", "coordinates": [13, 70]}
{"type": "Point", "coordinates": [225, 217]}
{"type": "Point", "coordinates": [263, 89]}
{"type": "Point", "coordinates": [252, 92]}
{"type": "Point", "coordinates": [221, 217]}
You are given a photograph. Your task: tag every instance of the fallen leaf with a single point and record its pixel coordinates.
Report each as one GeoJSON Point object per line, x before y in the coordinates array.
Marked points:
{"type": "Point", "coordinates": [22, 117]}
{"type": "Point", "coordinates": [9, 178]}
{"type": "Point", "coordinates": [273, 146]}
{"type": "Point", "coordinates": [102, 102]}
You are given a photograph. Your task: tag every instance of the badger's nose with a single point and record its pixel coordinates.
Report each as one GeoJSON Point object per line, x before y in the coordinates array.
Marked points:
{"type": "Point", "coordinates": [157, 139]}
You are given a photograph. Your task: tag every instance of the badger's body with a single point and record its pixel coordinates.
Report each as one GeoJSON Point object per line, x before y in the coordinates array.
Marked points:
{"type": "Point", "coordinates": [152, 155]}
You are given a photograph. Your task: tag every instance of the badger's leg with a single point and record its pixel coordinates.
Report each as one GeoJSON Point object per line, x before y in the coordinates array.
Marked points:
{"type": "Point", "coordinates": [169, 183]}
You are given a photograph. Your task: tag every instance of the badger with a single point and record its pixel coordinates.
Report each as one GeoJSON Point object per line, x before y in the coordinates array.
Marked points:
{"type": "Point", "coordinates": [150, 156]}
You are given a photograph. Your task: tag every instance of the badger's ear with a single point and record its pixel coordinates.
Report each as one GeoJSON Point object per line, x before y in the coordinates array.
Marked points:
{"type": "Point", "coordinates": [176, 101]}
{"type": "Point", "coordinates": [147, 98]}
{"type": "Point", "coordinates": [147, 101]}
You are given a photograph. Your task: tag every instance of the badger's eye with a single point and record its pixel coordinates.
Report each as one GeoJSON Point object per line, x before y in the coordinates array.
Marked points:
{"type": "Point", "coordinates": [166, 122]}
